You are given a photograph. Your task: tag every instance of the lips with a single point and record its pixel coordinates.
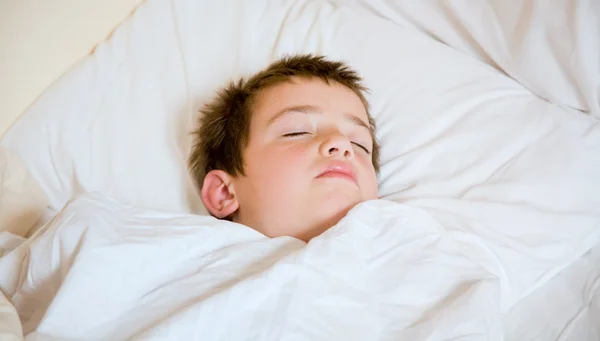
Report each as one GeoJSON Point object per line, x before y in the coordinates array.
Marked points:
{"type": "Point", "coordinates": [338, 169]}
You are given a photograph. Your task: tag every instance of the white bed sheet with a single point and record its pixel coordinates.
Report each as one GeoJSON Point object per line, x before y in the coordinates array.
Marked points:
{"type": "Point", "coordinates": [567, 308]}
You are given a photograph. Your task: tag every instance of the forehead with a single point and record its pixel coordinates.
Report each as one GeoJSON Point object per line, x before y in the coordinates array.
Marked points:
{"type": "Point", "coordinates": [333, 98]}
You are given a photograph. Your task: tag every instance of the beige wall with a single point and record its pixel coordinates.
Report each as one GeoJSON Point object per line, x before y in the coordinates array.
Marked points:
{"type": "Point", "coordinates": [40, 39]}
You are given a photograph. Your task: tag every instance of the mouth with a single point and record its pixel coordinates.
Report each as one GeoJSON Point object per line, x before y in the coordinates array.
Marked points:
{"type": "Point", "coordinates": [338, 170]}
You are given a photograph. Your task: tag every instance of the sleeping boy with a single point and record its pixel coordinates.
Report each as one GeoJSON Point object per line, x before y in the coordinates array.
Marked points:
{"type": "Point", "coordinates": [289, 151]}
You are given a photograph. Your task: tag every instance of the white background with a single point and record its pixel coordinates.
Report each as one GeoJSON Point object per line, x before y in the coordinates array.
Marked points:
{"type": "Point", "coordinates": [39, 40]}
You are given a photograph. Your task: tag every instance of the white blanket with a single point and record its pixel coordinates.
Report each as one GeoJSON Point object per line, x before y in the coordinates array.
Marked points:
{"type": "Point", "coordinates": [387, 271]}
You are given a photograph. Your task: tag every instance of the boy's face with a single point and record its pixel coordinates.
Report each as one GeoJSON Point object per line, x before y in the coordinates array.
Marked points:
{"type": "Point", "coordinates": [308, 159]}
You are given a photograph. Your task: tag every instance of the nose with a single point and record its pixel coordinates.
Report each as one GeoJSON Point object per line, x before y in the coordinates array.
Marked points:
{"type": "Point", "coordinates": [337, 145]}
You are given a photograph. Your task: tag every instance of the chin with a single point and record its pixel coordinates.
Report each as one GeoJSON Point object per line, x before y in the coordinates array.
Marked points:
{"type": "Point", "coordinates": [336, 201]}
{"type": "Point", "coordinates": [327, 213]}
{"type": "Point", "coordinates": [343, 194]}
{"type": "Point", "coordinates": [337, 208]}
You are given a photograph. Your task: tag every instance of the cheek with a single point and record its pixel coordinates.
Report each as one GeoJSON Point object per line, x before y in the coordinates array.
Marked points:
{"type": "Point", "coordinates": [370, 186]}
{"type": "Point", "coordinates": [366, 162]}
{"type": "Point", "coordinates": [280, 167]}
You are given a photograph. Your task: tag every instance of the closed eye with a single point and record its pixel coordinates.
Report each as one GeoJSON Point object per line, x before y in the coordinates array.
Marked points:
{"type": "Point", "coordinates": [362, 147]}
{"type": "Point", "coordinates": [299, 133]}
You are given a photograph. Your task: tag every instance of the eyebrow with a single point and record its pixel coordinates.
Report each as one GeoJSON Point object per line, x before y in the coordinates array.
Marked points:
{"type": "Point", "coordinates": [307, 109]}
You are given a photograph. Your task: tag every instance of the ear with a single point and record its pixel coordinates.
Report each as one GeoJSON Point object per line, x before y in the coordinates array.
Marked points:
{"type": "Point", "coordinates": [218, 194]}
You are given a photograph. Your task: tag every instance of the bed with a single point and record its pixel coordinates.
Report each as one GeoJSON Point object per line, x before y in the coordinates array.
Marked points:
{"type": "Point", "coordinates": [488, 121]}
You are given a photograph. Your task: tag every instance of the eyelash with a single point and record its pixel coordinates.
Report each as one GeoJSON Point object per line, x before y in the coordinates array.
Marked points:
{"type": "Point", "coordinates": [305, 133]}
{"type": "Point", "coordinates": [362, 147]}
{"type": "Point", "coordinates": [295, 134]}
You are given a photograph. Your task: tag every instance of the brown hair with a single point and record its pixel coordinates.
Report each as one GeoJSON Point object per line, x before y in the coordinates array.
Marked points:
{"type": "Point", "coordinates": [224, 125]}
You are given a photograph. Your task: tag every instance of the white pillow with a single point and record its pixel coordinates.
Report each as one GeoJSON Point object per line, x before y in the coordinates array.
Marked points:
{"type": "Point", "coordinates": [459, 138]}
{"type": "Point", "coordinates": [22, 201]}
{"type": "Point", "coordinates": [10, 325]}
{"type": "Point", "coordinates": [552, 47]}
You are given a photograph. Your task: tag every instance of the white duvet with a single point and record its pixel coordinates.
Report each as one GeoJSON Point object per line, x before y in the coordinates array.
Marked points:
{"type": "Point", "coordinates": [387, 271]}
